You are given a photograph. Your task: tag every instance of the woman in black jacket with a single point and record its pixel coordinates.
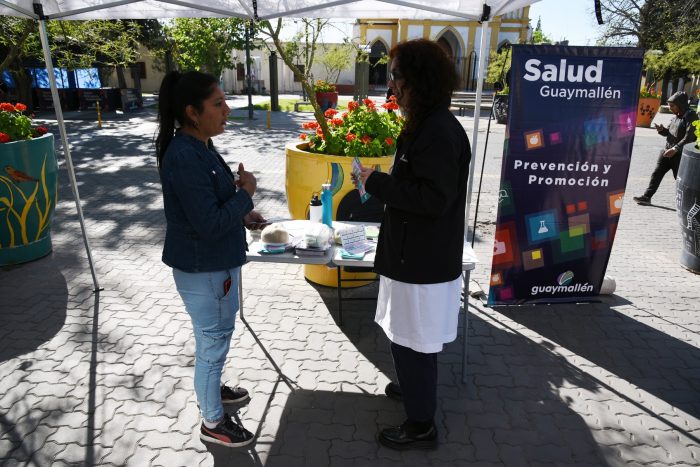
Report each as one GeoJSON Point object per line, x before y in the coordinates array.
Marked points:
{"type": "Point", "coordinates": [419, 254]}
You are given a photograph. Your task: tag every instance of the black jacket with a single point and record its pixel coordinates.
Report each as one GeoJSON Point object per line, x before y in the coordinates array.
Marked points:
{"type": "Point", "coordinates": [422, 232]}
{"type": "Point", "coordinates": [680, 131]}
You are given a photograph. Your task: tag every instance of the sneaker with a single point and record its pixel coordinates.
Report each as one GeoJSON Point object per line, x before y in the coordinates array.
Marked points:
{"type": "Point", "coordinates": [405, 437]}
{"type": "Point", "coordinates": [226, 433]}
{"type": "Point", "coordinates": [233, 395]}
{"type": "Point", "coordinates": [393, 391]}
{"type": "Point", "coordinates": [643, 200]}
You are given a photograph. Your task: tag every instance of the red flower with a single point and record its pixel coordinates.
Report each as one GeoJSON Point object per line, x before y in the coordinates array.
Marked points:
{"type": "Point", "coordinates": [391, 105]}
{"type": "Point", "coordinates": [41, 130]}
{"type": "Point", "coordinates": [352, 105]}
{"type": "Point", "coordinates": [389, 141]}
{"type": "Point", "coordinates": [337, 121]}
{"type": "Point", "coordinates": [370, 104]}
{"type": "Point", "coordinates": [4, 137]}
{"type": "Point", "coordinates": [366, 139]}
{"type": "Point", "coordinates": [330, 112]}
{"type": "Point", "coordinates": [309, 125]}
{"type": "Point", "coordinates": [345, 114]}
{"type": "Point", "coordinates": [7, 107]}
{"type": "Point", "coordinates": [19, 107]}
{"type": "Point", "coordinates": [302, 136]}
{"type": "Point", "coordinates": [319, 132]}
{"type": "Point", "coordinates": [350, 137]}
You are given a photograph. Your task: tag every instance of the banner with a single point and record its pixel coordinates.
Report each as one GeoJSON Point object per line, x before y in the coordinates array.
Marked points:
{"type": "Point", "coordinates": [571, 123]}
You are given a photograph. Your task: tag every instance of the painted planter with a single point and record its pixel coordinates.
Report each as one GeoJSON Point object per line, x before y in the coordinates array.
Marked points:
{"type": "Point", "coordinates": [646, 110]}
{"type": "Point", "coordinates": [305, 172]}
{"type": "Point", "coordinates": [327, 100]}
{"type": "Point", "coordinates": [28, 191]}
{"type": "Point", "coordinates": [688, 207]}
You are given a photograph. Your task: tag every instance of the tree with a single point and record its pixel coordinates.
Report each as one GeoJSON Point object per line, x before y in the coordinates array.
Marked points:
{"type": "Point", "coordinates": [499, 66]}
{"type": "Point", "coordinates": [302, 51]}
{"type": "Point", "coordinates": [335, 59]}
{"type": "Point", "coordinates": [538, 37]}
{"type": "Point", "coordinates": [206, 44]}
{"type": "Point", "coordinates": [13, 44]}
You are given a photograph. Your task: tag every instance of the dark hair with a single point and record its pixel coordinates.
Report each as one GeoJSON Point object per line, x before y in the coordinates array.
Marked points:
{"type": "Point", "coordinates": [177, 91]}
{"type": "Point", "coordinates": [429, 78]}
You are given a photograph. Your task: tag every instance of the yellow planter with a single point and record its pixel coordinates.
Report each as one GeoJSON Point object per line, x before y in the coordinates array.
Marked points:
{"type": "Point", "coordinates": [648, 106]}
{"type": "Point", "coordinates": [306, 172]}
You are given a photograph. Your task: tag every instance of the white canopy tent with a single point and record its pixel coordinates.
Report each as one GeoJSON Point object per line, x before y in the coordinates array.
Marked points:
{"type": "Point", "coordinates": [43, 10]}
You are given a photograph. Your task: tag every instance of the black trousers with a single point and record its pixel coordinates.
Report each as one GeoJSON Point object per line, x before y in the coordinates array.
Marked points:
{"type": "Point", "coordinates": [417, 373]}
{"type": "Point", "coordinates": [663, 165]}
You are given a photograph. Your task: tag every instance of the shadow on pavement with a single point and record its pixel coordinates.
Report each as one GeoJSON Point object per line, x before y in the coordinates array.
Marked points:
{"type": "Point", "coordinates": [31, 315]}
{"type": "Point", "coordinates": [613, 341]}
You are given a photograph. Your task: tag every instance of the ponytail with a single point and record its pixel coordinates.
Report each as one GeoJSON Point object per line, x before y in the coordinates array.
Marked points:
{"type": "Point", "coordinates": [177, 91]}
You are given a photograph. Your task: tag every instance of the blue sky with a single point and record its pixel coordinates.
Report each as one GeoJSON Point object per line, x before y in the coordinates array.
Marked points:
{"type": "Point", "coordinates": [566, 19]}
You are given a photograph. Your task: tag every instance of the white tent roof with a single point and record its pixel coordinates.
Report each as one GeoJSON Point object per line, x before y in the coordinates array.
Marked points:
{"type": "Point", "coordinates": [266, 9]}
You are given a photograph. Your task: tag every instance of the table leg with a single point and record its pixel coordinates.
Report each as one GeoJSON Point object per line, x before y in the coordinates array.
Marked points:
{"type": "Point", "coordinates": [340, 298]}
{"type": "Point", "coordinates": [465, 325]}
{"type": "Point", "coordinates": [282, 376]}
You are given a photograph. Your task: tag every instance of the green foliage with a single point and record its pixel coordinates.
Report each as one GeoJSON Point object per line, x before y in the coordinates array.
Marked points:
{"type": "Point", "coordinates": [206, 44]}
{"type": "Point", "coordinates": [696, 124]}
{"type": "Point", "coordinates": [336, 59]}
{"type": "Point", "coordinates": [499, 65]}
{"type": "Point", "coordinates": [324, 86]}
{"type": "Point", "coordinates": [539, 37]}
{"type": "Point", "coordinates": [679, 60]}
{"type": "Point", "coordinates": [15, 125]}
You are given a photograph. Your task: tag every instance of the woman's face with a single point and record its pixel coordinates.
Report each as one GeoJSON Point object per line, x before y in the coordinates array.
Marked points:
{"type": "Point", "coordinates": [397, 82]}
{"type": "Point", "coordinates": [212, 119]}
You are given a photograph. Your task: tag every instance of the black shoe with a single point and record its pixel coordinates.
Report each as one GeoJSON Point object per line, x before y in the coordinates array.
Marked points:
{"type": "Point", "coordinates": [643, 200]}
{"type": "Point", "coordinates": [393, 391]}
{"type": "Point", "coordinates": [226, 433]}
{"type": "Point", "coordinates": [403, 437]}
{"type": "Point", "coordinates": [234, 395]}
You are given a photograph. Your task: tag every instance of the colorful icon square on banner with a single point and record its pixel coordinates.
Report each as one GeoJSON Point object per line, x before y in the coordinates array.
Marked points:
{"type": "Point", "coordinates": [570, 208]}
{"type": "Point", "coordinates": [541, 226]}
{"type": "Point", "coordinates": [569, 242]}
{"type": "Point", "coordinates": [534, 139]}
{"type": "Point", "coordinates": [496, 279]}
{"type": "Point", "coordinates": [595, 131]}
{"type": "Point", "coordinates": [533, 259]}
{"type": "Point", "coordinates": [600, 239]}
{"type": "Point", "coordinates": [555, 138]}
{"type": "Point", "coordinates": [626, 122]}
{"type": "Point", "coordinates": [570, 248]}
{"type": "Point", "coordinates": [582, 206]}
{"type": "Point", "coordinates": [579, 225]}
{"type": "Point", "coordinates": [505, 293]}
{"type": "Point", "coordinates": [615, 203]}
{"type": "Point", "coordinates": [506, 203]}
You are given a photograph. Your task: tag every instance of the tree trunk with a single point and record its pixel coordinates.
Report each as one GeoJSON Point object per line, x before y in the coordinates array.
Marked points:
{"type": "Point", "coordinates": [24, 86]}
{"type": "Point", "coordinates": [121, 79]}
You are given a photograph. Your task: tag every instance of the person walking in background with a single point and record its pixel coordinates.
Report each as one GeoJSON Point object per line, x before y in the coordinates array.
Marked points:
{"type": "Point", "coordinates": [419, 251]}
{"type": "Point", "coordinates": [206, 210]}
{"type": "Point", "coordinates": [679, 133]}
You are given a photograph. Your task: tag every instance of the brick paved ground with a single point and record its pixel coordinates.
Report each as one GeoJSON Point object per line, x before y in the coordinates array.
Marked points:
{"type": "Point", "coordinates": [106, 379]}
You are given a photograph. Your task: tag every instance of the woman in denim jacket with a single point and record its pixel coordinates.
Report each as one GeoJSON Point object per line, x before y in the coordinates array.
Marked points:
{"type": "Point", "coordinates": [206, 211]}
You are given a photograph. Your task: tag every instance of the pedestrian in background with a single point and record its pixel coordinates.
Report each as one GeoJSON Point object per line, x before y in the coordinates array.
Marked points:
{"type": "Point", "coordinates": [206, 210]}
{"type": "Point", "coordinates": [679, 133]}
{"type": "Point", "coordinates": [419, 251]}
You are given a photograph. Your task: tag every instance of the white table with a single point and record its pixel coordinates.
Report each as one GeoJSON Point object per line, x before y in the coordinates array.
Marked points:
{"type": "Point", "coordinates": [333, 258]}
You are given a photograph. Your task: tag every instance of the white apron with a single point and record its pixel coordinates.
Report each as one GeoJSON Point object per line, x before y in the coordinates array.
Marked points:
{"type": "Point", "coordinates": [422, 317]}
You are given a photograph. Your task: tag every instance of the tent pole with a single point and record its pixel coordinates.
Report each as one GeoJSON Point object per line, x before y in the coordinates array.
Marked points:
{"type": "Point", "coordinates": [64, 140]}
{"type": "Point", "coordinates": [483, 48]}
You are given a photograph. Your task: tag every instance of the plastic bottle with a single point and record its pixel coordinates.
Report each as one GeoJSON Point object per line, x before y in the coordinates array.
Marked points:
{"type": "Point", "coordinates": [315, 209]}
{"type": "Point", "coordinates": [327, 201]}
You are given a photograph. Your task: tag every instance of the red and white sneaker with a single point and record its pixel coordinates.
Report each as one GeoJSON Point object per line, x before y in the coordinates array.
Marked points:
{"type": "Point", "coordinates": [227, 433]}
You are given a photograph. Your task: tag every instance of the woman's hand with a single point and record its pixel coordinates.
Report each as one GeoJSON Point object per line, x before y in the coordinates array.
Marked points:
{"type": "Point", "coordinates": [254, 221]}
{"type": "Point", "coordinates": [365, 172]}
{"type": "Point", "coordinates": [246, 180]}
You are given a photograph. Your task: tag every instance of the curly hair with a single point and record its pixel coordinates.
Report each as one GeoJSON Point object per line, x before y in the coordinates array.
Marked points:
{"type": "Point", "coordinates": [429, 78]}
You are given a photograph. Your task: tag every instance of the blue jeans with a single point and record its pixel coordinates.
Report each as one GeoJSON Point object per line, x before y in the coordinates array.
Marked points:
{"type": "Point", "coordinates": [213, 314]}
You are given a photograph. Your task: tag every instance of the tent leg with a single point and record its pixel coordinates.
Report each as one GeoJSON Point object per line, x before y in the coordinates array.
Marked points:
{"type": "Point", "coordinates": [483, 49]}
{"type": "Point", "coordinates": [66, 148]}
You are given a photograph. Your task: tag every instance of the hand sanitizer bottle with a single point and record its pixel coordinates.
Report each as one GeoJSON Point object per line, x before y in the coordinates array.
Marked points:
{"type": "Point", "coordinates": [327, 202]}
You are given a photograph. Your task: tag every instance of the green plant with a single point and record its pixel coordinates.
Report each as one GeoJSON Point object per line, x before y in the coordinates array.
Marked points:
{"type": "Point", "coordinates": [15, 125]}
{"type": "Point", "coordinates": [696, 124]}
{"type": "Point", "coordinates": [324, 86]}
{"type": "Point", "coordinates": [362, 131]}
{"type": "Point", "coordinates": [649, 92]}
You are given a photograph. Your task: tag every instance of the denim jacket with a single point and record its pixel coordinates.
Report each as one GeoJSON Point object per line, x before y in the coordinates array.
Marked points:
{"type": "Point", "coordinates": [204, 210]}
